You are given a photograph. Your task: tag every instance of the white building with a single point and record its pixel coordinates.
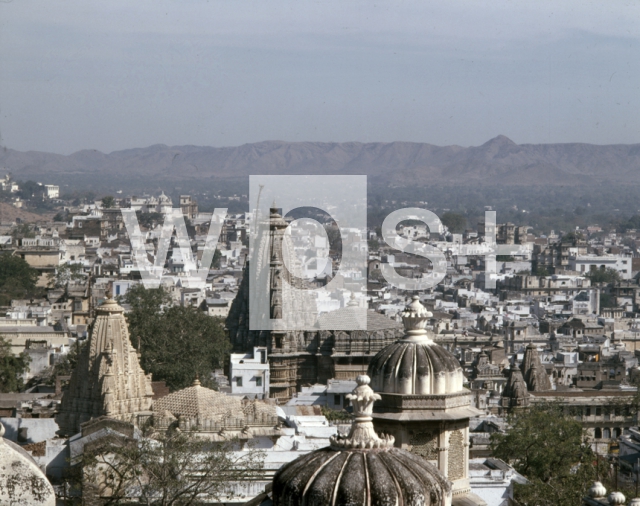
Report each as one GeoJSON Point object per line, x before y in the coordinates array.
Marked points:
{"type": "Point", "coordinates": [249, 373]}
{"type": "Point", "coordinates": [587, 263]}
{"type": "Point", "coordinates": [492, 480]}
{"type": "Point", "coordinates": [51, 191]}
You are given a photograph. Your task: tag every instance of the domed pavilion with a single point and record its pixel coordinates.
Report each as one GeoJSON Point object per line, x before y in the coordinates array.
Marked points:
{"type": "Point", "coordinates": [361, 469]}
{"type": "Point", "coordinates": [424, 404]}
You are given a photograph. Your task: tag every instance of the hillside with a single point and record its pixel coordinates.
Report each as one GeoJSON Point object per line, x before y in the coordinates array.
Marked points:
{"type": "Point", "coordinates": [499, 160]}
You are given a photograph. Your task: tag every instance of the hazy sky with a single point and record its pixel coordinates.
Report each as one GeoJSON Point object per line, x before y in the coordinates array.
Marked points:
{"type": "Point", "coordinates": [117, 74]}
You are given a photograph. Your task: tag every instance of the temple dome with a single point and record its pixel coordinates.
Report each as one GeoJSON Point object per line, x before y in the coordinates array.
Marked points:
{"type": "Point", "coordinates": [415, 364]}
{"type": "Point", "coordinates": [361, 468]}
{"type": "Point", "coordinates": [21, 480]}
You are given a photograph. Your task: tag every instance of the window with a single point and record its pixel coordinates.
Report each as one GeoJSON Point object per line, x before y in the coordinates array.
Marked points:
{"type": "Point", "coordinates": [598, 411]}
{"type": "Point", "coordinates": [258, 381]}
{"type": "Point", "coordinates": [239, 381]}
{"type": "Point", "coordinates": [588, 412]}
{"type": "Point", "coordinates": [606, 433]}
{"type": "Point", "coordinates": [337, 400]}
{"type": "Point", "coordinates": [598, 433]}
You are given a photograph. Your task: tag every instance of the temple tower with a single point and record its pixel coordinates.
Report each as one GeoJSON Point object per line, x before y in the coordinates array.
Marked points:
{"type": "Point", "coordinates": [108, 379]}
{"type": "Point", "coordinates": [533, 371]}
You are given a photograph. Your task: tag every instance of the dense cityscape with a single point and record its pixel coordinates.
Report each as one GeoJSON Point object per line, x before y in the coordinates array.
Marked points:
{"type": "Point", "coordinates": [337, 253]}
{"type": "Point", "coordinates": [93, 359]}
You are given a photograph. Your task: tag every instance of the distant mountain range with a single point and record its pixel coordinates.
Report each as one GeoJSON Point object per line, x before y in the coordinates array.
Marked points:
{"type": "Point", "coordinates": [499, 160]}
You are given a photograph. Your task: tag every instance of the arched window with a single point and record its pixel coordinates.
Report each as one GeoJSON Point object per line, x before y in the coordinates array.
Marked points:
{"type": "Point", "coordinates": [598, 433]}
{"type": "Point", "coordinates": [617, 432]}
{"type": "Point", "coordinates": [606, 433]}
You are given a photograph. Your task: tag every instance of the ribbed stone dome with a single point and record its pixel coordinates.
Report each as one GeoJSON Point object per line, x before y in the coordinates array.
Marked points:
{"type": "Point", "coordinates": [415, 365]}
{"type": "Point", "coordinates": [360, 477]}
{"type": "Point", "coordinates": [21, 480]}
{"type": "Point", "coordinates": [360, 469]}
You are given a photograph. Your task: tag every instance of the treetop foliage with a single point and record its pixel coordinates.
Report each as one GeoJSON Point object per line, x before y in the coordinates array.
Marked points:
{"type": "Point", "coordinates": [551, 450]}
{"type": "Point", "coordinates": [176, 343]}
{"type": "Point", "coordinates": [456, 223]}
{"type": "Point", "coordinates": [607, 275]}
{"type": "Point", "coordinates": [17, 279]}
{"type": "Point", "coordinates": [164, 468]}
{"type": "Point", "coordinates": [12, 368]}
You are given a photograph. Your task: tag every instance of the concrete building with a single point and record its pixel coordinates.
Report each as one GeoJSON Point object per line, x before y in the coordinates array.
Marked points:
{"type": "Point", "coordinates": [588, 263]}
{"type": "Point", "coordinates": [249, 373]}
{"type": "Point", "coordinates": [51, 191]}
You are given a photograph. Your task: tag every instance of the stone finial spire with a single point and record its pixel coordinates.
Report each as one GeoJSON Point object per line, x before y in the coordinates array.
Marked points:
{"type": "Point", "coordinates": [415, 317]}
{"type": "Point", "coordinates": [362, 434]}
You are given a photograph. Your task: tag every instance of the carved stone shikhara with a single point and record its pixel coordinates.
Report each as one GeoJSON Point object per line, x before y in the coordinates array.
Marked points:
{"type": "Point", "coordinates": [108, 379]}
{"type": "Point", "coordinates": [533, 371]}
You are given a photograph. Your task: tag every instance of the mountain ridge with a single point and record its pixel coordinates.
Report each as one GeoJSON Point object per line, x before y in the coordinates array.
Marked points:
{"type": "Point", "coordinates": [499, 160]}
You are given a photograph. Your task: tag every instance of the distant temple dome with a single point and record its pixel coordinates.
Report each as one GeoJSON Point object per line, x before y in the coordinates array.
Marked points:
{"type": "Point", "coordinates": [415, 364]}
{"type": "Point", "coordinates": [361, 468]}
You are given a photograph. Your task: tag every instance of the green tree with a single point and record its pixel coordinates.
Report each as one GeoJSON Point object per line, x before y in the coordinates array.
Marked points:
{"type": "Point", "coordinates": [549, 448]}
{"type": "Point", "coordinates": [541, 271]}
{"type": "Point", "coordinates": [65, 274]}
{"type": "Point", "coordinates": [148, 220]}
{"type": "Point", "coordinates": [572, 237]}
{"type": "Point", "coordinates": [67, 364]}
{"type": "Point", "coordinates": [456, 223]}
{"type": "Point", "coordinates": [217, 256]}
{"type": "Point", "coordinates": [336, 415]}
{"type": "Point", "coordinates": [30, 189]}
{"type": "Point", "coordinates": [164, 468]}
{"type": "Point", "coordinates": [176, 342]}
{"type": "Point", "coordinates": [17, 278]}
{"type": "Point", "coordinates": [23, 230]}
{"type": "Point", "coordinates": [607, 275]}
{"type": "Point", "coordinates": [61, 216]}
{"type": "Point", "coordinates": [12, 368]}
{"type": "Point", "coordinates": [108, 202]}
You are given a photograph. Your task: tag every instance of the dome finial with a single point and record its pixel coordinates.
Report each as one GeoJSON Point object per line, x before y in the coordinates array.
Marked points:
{"type": "Point", "coordinates": [617, 498]}
{"type": "Point", "coordinates": [414, 318]}
{"type": "Point", "coordinates": [362, 435]}
{"type": "Point", "coordinates": [597, 490]}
